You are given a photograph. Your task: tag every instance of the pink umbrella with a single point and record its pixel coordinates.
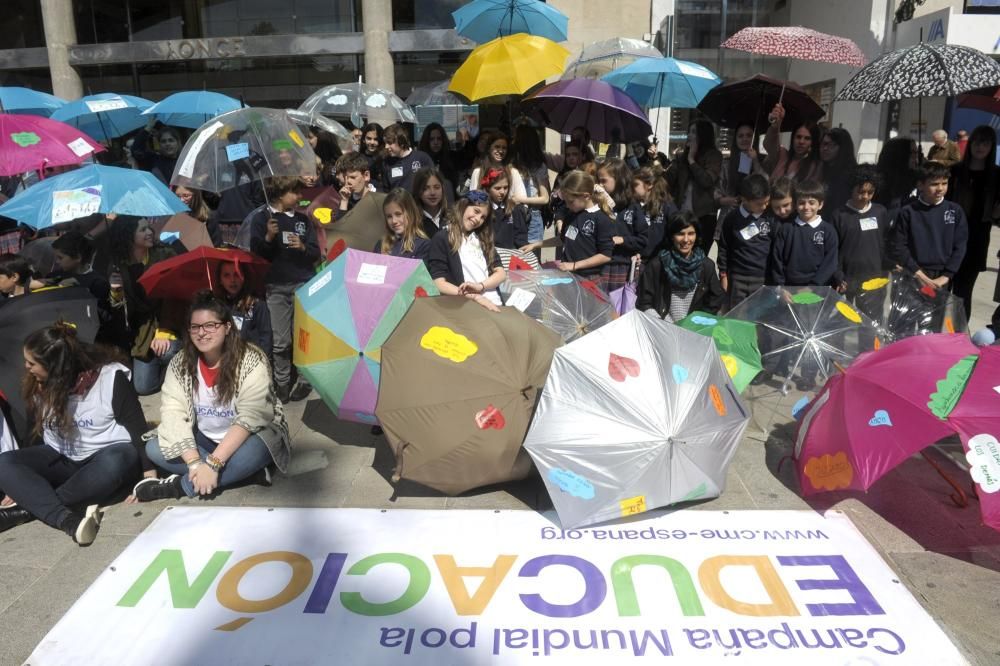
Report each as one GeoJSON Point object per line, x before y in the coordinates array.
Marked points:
{"type": "Point", "coordinates": [976, 417]}
{"type": "Point", "coordinates": [888, 405]}
{"type": "Point", "coordinates": [799, 43]}
{"type": "Point", "coordinates": [31, 143]}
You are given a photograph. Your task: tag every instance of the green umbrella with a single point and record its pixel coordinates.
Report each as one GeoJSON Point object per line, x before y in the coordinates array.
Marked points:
{"type": "Point", "coordinates": [736, 341]}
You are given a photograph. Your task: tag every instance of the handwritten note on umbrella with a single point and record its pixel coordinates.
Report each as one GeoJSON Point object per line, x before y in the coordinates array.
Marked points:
{"type": "Point", "coordinates": [73, 204]}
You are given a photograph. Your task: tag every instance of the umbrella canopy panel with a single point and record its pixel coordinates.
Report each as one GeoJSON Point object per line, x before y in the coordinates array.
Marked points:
{"type": "Point", "coordinates": [483, 20]}
{"type": "Point", "coordinates": [192, 108]}
{"type": "Point", "coordinates": [608, 113]}
{"type": "Point", "coordinates": [662, 82]}
{"type": "Point", "coordinates": [508, 66]}
{"type": "Point", "coordinates": [799, 43]}
{"type": "Point", "coordinates": [749, 102]}
{"type": "Point", "coordinates": [31, 143]}
{"type": "Point", "coordinates": [558, 300]}
{"type": "Point", "coordinates": [598, 58]}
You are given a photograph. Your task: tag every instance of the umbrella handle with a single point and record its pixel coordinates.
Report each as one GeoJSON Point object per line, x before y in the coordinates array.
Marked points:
{"type": "Point", "coordinates": [959, 497]}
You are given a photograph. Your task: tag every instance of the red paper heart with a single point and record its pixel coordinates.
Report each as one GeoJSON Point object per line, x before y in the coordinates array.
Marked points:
{"type": "Point", "coordinates": [622, 367]}
{"type": "Point", "coordinates": [928, 291]}
{"type": "Point", "coordinates": [518, 264]}
{"type": "Point", "coordinates": [337, 249]}
{"type": "Point", "coordinates": [491, 417]}
{"type": "Point", "coordinates": [420, 292]}
{"type": "Point", "coordinates": [592, 287]}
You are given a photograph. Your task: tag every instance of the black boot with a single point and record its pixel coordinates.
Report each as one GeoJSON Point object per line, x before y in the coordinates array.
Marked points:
{"type": "Point", "coordinates": [12, 516]}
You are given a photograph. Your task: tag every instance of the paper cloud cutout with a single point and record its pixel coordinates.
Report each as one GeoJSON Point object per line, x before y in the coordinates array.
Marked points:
{"type": "Point", "coordinates": [807, 298]}
{"type": "Point", "coordinates": [572, 483]}
{"type": "Point", "coordinates": [880, 418]}
{"type": "Point", "coordinates": [829, 472]}
{"type": "Point", "coordinates": [680, 373]}
{"type": "Point", "coordinates": [448, 344]}
{"type": "Point", "coordinates": [25, 139]}
{"type": "Point", "coordinates": [849, 313]}
{"type": "Point", "coordinates": [731, 363]}
{"type": "Point", "coordinates": [550, 282]}
{"type": "Point", "coordinates": [984, 456]}
{"type": "Point", "coordinates": [704, 321]}
{"type": "Point", "coordinates": [376, 101]}
{"type": "Point", "coordinates": [337, 100]}
{"type": "Point", "coordinates": [874, 283]}
{"type": "Point", "coordinates": [950, 389]}
{"type": "Point", "coordinates": [799, 406]}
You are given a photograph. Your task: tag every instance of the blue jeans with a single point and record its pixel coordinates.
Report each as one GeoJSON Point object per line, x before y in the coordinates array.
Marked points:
{"type": "Point", "coordinates": [251, 457]}
{"type": "Point", "coordinates": [50, 486]}
{"type": "Point", "coordinates": [147, 376]}
{"type": "Point", "coordinates": [536, 226]}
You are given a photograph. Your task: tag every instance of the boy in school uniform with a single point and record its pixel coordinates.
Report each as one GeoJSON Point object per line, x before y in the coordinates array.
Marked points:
{"type": "Point", "coordinates": [745, 241]}
{"type": "Point", "coordinates": [402, 160]}
{"type": "Point", "coordinates": [804, 253]}
{"type": "Point", "coordinates": [929, 235]}
{"type": "Point", "coordinates": [287, 239]}
{"type": "Point", "coordinates": [355, 177]}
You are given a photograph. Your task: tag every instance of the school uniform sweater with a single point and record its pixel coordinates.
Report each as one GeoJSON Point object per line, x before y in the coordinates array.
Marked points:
{"type": "Point", "coordinates": [585, 234]}
{"type": "Point", "coordinates": [929, 237]}
{"type": "Point", "coordinates": [421, 248]}
{"type": "Point", "coordinates": [510, 230]}
{"type": "Point", "coordinates": [398, 171]}
{"type": "Point", "coordinates": [861, 235]}
{"type": "Point", "coordinates": [745, 243]}
{"type": "Point", "coordinates": [288, 266]}
{"type": "Point", "coordinates": [656, 229]}
{"type": "Point", "coordinates": [804, 253]}
{"type": "Point", "coordinates": [632, 226]}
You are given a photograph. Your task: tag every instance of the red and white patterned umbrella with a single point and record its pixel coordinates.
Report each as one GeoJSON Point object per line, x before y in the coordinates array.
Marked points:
{"type": "Point", "coordinates": [799, 43]}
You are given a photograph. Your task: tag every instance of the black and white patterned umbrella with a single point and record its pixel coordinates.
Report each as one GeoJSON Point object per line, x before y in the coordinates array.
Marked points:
{"type": "Point", "coordinates": [924, 70]}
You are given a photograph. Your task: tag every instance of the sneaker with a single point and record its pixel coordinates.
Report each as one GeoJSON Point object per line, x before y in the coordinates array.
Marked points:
{"type": "Point", "coordinates": [262, 477]}
{"type": "Point", "coordinates": [300, 392]}
{"type": "Point", "coordinates": [281, 391]}
{"type": "Point", "coordinates": [148, 490]}
{"type": "Point", "coordinates": [86, 531]}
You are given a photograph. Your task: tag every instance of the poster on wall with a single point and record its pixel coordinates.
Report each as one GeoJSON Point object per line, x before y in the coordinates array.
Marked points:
{"type": "Point", "coordinates": [452, 117]}
{"type": "Point", "coordinates": [365, 586]}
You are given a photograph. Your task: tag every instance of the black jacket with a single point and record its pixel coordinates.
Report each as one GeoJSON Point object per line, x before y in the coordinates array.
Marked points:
{"type": "Point", "coordinates": [654, 289]}
{"type": "Point", "coordinates": [443, 263]}
{"type": "Point", "coordinates": [255, 325]}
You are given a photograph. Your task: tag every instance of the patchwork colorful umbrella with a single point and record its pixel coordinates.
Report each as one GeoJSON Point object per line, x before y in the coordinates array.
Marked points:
{"type": "Point", "coordinates": [736, 341]}
{"type": "Point", "coordinates": [570, 306]}
{"type": "Point", "coordinates": [902, 306]}
{"type": "Point", "coordinates": [92, 189]}
{"type": "Point", "coordinates": [180, 277]}
{"type": "Point", "coordinates": [508, 66]}
{"type": "Point", "coordinates": [342, 318]}
{"type": "Point", "coordinates": [105, 115]}
{"type": "Point", "coordinates": [638, 414]}
{"type": "Point", "coordinates": [806, 331]}
{"type": "Point", "coordinates": [888, 405]}
{"type": "Point", "coordinates": [976, 418]}
{"type": "Point", "coordinates": [31, 143]}
{"type": "Point", "coordinates": [459, 385]}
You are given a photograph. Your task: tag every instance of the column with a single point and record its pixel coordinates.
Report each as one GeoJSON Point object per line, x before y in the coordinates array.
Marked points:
{"type": "Point", "coordinates": [376, 17]}
{"type": "Point", "coordinates": [60, 34]}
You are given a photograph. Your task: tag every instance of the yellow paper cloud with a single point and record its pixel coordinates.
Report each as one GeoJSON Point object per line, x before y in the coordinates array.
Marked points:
{"type": "Point", "coordinates": [324, 215]}
{"type": "Point", "coordinates": [448, 344]}
{"type": "Point", "coordinates": [850, 313]}
{"type": "Point", "coordinates": [874, 283]}
{"type": "Point", "coordinates": [732, 365]}
{"type": "Point", "coordinates": [829, 472]}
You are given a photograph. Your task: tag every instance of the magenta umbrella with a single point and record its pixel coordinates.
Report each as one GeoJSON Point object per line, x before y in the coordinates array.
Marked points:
{"type": "Point", "coordinates": [888, 405]}
{"type": "Point", "coordinates": [608, 113]}
{"type": "Point", "coordinates": [976, 417]}
{"type": "Point", "coordinates": [31, 143]}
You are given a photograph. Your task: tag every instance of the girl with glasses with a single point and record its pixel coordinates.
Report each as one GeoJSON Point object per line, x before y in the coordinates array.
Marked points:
{"type": "Point", "coordinates": [220, 421]}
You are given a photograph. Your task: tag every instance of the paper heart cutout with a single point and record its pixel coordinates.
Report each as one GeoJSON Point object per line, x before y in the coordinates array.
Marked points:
{"type": "Point", "coordinates": [337, 249]}
{"type": "Point", "coordinates": [592, 287]}
{"type": "Point", "coordinates": [491, 417]}
{"type": "Point", "coordinates": [722, 336]}
{"type": "Point", "coordinates": [324, 215]}
{"type": "Point", "coordinates": [25, 139]}
{"type": "Point", "coordinates": [420, 292]}
{"type": "Point", "coordinates": [518, 264]}
{"type": "Point", "coordinates": [572, 483]}
{"type": "Point", "coordinates": [731, 363]}
{"type": "Point", "coordinates": [880, 418]}
{"type": "Point", "coordinates": [928, 291]}
{"type": "Point", "coordinates": [621, 368]}
{"type": "Point", "coordinates": [680, 373]}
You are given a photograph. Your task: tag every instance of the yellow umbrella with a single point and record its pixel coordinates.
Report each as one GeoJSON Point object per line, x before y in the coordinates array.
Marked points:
{"type": "Point", "coordinates": [508, 66]}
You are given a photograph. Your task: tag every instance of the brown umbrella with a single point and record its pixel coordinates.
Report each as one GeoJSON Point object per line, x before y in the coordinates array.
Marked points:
{"type": "Point", "coordinates": [193, 233]}
{"type": "Point", "coordinates": [457, 392]}
{"type": "Point", "coordinates": [360, 229]}
{"type": "Point", "coordinates": [320, 205]}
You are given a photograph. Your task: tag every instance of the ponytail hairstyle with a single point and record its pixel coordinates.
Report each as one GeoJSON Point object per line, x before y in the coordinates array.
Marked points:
{"type": "Point", "coordinates": [622, 175]}
{"type": "Point", "coordinates": [581, 184]}
{"type": "Point", "coordinates": [233, 349]}
{"type": "Point", "coordinates": [71, 365]}
{"type": "Point", "coordinates": [652, 178]}
{"type": "Point", "coordinates": [15, 264]}
{"type": "Point", "coordinates": [456, 230]}
{"type": "Point", "coordinates": [412, 230]}
{"type": "Point", "coordinates": [492, 175]}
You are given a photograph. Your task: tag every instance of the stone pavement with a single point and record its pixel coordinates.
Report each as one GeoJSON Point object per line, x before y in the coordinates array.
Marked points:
{"type": "Point", "coordinates": [947, 560]}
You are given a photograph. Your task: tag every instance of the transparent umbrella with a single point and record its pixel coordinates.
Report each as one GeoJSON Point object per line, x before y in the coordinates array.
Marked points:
{"type": "Point", "coordinates": [558, 300]}
{"type": "Point", "coordinates": [305, 120]}
{"type": "Point", "coordinates": [359, 102]}
{"type": "Point", "coordinates": [902, 307]}
{"type": "Point", "coordinates": [254, 142]}
{"type": "Point", "coordinates": [598, 58]}
{"type": "Point", "coordinates": [433, 94]}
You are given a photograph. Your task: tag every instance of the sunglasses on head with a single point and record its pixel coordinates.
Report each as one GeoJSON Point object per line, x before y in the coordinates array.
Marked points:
{"type": "Point", "coordinates": [476, 197]}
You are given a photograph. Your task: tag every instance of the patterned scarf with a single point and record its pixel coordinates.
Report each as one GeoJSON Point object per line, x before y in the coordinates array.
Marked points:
{"type": "Point", "coordinates": [682, 272]}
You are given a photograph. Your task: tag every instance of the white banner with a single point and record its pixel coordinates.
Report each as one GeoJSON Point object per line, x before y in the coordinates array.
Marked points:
{"type": "Point", "coordinates": [363, 586]}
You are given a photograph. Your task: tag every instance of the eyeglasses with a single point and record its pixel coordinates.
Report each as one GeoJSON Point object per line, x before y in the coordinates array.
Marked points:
{"type": "Point", "coordinates": [476, 197]}
{"type": "Point", "coordinates": [208, 327]}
